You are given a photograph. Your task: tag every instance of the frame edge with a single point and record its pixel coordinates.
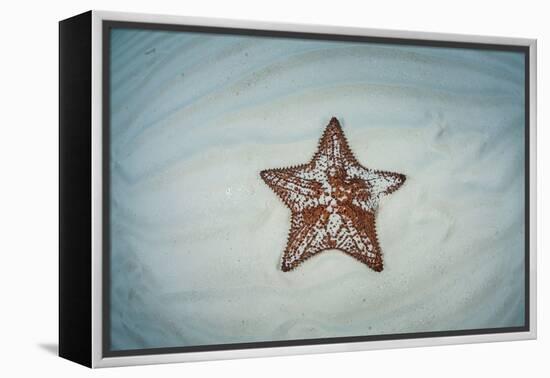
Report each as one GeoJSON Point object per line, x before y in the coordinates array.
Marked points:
{"type": "Point", "coordinates": [75, 333]}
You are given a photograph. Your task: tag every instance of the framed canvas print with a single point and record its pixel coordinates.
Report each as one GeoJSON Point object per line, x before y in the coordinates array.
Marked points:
{"type": "Point", "coordinates": [234, 189]}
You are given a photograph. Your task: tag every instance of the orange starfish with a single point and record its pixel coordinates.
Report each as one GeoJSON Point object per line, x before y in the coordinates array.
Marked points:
{"type": "Point", "coordinates": [333, 200]}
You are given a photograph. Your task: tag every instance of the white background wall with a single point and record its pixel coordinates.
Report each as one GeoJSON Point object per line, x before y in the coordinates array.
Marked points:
{"type": "Point", "coordinates": [28, 200]}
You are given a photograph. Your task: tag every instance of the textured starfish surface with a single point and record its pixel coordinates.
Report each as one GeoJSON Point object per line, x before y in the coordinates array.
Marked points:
{"type": "Point", "coordinates": [333, 200]}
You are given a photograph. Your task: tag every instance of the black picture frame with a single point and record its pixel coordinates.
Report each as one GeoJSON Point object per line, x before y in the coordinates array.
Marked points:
{"type": "Point", "coordinates": [76, 293]}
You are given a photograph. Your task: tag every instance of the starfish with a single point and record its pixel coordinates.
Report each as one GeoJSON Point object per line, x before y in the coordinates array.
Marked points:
{"type": "Point", "coordinates": [333, 200]}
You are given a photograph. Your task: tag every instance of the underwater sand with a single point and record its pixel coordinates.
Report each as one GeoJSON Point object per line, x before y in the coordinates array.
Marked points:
{"type": "Point", "coordinates": [197, 237]}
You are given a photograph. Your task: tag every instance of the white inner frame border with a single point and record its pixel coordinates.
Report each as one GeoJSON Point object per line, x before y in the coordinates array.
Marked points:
{"type": "Point", "coordinates": [97, 237]}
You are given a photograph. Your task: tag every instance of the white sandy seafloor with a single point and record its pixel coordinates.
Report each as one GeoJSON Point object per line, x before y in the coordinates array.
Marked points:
{"type": "Point", "coordinates": [197, 236]}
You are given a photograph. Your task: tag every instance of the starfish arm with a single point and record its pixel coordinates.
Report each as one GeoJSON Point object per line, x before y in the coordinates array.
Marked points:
{"type": "Point", "coordinates": [333, 150]}
{"type": "Point", "coordinates": [379, 183]}
{"type": "Point", "coordinates": [295, 191]}
{"type": "Point", "coordinates": [357, 237]}
{"type": "Point", "coordinates": [307, 237]}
